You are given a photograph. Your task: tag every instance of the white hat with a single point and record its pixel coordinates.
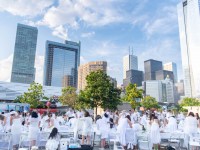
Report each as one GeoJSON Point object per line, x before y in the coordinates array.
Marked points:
{"type": "Point", "coordinates": [13, 113]}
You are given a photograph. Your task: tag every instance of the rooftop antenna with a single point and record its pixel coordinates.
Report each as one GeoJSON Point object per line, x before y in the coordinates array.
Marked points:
{"type": "Point", "coordinates": [129, 49]}
{"type": "Point", "coordinates": [132, 50]}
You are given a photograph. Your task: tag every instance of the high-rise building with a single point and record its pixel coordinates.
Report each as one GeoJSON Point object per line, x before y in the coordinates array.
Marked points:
{"type": "Point", "coordinates": [150, 68]}
{"type": "Point", "coordinates": [130, 62]}
{"type": "Point", "coordinates": [23, 70]}
{"type": "Point", "coordinates": [179, 90]}
{"type": "Point", "coordinates": [61, 63]}
{"type": "Point", "coordinates": [113, 81]}
{"type": "Point", "coordinates": [133, 77]}
{"type": "Point", "coordinates": [189, 29]}
{"type": "Point", "coordinates": [161, 90]}
{"type": "Point", "coordinates": [171, 66]}
{"type": "Point", "coordinates": [86, 69]}
{"type": "Point", "coordinates": [162, 74]}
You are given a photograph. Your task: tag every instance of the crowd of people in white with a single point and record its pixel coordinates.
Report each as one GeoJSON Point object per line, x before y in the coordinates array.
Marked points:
{"type": "Point", "coordinates": [84, 123]}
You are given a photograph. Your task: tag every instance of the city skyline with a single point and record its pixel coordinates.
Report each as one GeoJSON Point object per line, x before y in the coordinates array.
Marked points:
{"type": "Point", "coordinates": [106, 37]}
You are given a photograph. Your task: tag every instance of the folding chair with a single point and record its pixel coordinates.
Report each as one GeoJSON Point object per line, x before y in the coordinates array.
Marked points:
{"type": "Point", "coordinates": [130, 138]}
{"type": "Point", "coordinates": [24, 141]}
{"type": "Point", "coordinates": [144, 143]}
{"type": "Point", "coordinates": [43, 138]}
{"type": "Point", "coordinates": [194, 141]}
{"type": "Point", "coordinates": [5, 140]}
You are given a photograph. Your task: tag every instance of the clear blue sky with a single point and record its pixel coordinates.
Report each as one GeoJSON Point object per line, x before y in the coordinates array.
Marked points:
{"type": "Point", "coordinates": [106, 28]}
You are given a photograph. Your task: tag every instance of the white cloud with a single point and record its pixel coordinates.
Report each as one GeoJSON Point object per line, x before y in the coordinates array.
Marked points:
{"type": "Point", "coordinates": [163, 23]}
{"type": "Point", "coordinates": [82, 60]}
{"type": "Point", "coordinates": [94, 13]}
{"type": "Point", "coordinates": [5, 68]}
{"type": "Point", "coordinates": [88, 34]}
{"type": "Point", "coordinates": [61, 32]}
{"type": "Point", "coordinates": [30, 8]}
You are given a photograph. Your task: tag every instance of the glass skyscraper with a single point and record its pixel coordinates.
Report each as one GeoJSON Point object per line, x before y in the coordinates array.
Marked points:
{"type": "Point", "coordinates": [130, 62]}
{"type": "Point", "coordinates": [61, 63]}
{"type": "Point", "coordinates": [189, 30]}
{"type": "Point", "coordinates": [150, 68]}
{"type": "Point", "coordinates": [23, 70]}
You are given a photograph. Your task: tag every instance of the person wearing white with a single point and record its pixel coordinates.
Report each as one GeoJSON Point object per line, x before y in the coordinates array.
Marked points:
{"type": "Point", "coordinates": [155, 133]}
{"type": "Point", "coordinates": [33, 128]}
{"type": "Point", "coordinates": [15, 122]}
{"type": "Point", "coordinates": [2, 122]}
{"type": "Point", "coordinates": [53, 141]}
{"type": "Point", "coordinates": [169, 114]}
{"type": "Point", "coordinates": [190, 124]}
{"type": "Point", "coordinates": [172, 124]}
{"type": "Point", "coordinates": [134, 117]}
{"type": "Point", "coordinates": [144, 120]}
{"type": "Point", "coordinates": [103, 127]}
{"type": "Point", "coordinates": [7, 124]}
{"type": "Point", "coordinates": [87, 127]}
{"type": "Point", "coordinates": [123, 124]}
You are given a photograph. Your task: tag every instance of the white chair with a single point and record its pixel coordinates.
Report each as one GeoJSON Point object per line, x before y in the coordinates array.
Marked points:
{"type": "Point", "coordinates": [5, 140]}
{"type": "Point", "coordinates": [43, 138]}
{"type": "Point", "coordinates": [24, 142]}
{"type": "Point", "coordinates": [130, 138]}
{"type": "Point", "coordinates": [194, 141]}
{"type": "Point", "coordinates": [63, 143]}
{"type": "Point", "coordinates": [144, 143]}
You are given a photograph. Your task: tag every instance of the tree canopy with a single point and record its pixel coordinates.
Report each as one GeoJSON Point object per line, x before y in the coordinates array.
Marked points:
{"type": "Point", "coordinates": [132, 94]}
{"type": "Point", "coordinates": [33, 96]}
{"type": "Point", "coordinates": [149, 102]}
{"type": "Point", "coordinates": [100, 92]}
{"type": "Point", "coordinates": [188, 101]}
{"type": "Point", "coordinates": [69, 97]}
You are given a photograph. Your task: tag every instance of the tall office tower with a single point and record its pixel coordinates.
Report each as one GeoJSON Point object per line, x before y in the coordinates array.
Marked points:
{"type": "Point", "coordinates": [179, 90]}
{"type": "Point", "coordinates": [161, 90]}
{"type": "Point", "coordinates": [130, 62]}
{"type": "Point", "coordinates": [189, 31]}
{"type": "Point", "coordinates": [133, 77]}
{"type": "Point", "coordinates": [162, 74]}
{"type": "Point", "coordinates": [150, 68]}
{"type": "Point", "coordinates": [61, 63]}
{"type": "Point", "coordinates": [85, 70]}
{"type": "Point", "coordinates": [171, 66]}
{"type": "Point", "coordinates": [23, 70]}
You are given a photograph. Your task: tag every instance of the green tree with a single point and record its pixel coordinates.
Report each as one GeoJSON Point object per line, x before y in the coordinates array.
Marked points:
{"type": "Point", "coordinates": [69, 97]}
{"type": "Point", "coordinates": [114, 98]}
{"type": "Point", "coordinates": [33, 96]}
{"type": "Point", "coordinates": [188, 101]}
{"type": "Point", "coordinates": [132, 94]}
{"type": "Point", "coordinates": [149, 102]}
{"type": "Point", "coordinates": [18, 99]}
{"type": "Point", "coordinates": [99, 92]}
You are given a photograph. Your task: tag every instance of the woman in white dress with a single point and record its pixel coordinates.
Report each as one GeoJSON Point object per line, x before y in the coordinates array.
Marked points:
{"type": "Point", "coordinates": [87, 127]}
{"type": "Point", "coordinates": [103, 127]}
{"type": "Point", "coordinates": [155, 133]}
{"type": "Point", "coordinates": [172, 124]}
{"type": "Point", "coordinates": [16, 126]}
{"type": "Point", "coordinates": [123, 124]}
{"type": "Point", "coordinates": [190, 124]}
{"type": "Point", "coordinates": [33, 128]}
{"type": "Point", "coordinates": [53, 141]}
